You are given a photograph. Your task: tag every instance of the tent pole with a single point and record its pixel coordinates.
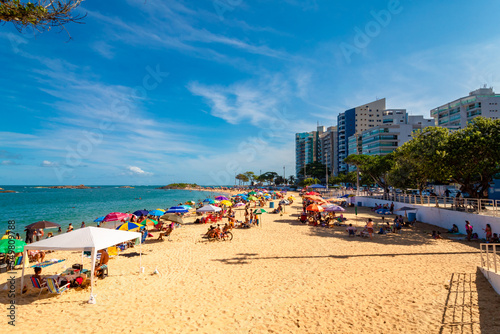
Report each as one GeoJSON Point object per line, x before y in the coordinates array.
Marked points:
{"type": "Point", "coordinates": [140, 257]}
{"type": "Point", "coordinates": [92, 298]}
{"type": "Point", "coordinates": [25, 258]}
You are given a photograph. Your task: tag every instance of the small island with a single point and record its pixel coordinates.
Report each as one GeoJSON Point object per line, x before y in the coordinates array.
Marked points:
{"type": "Point", "coordinates": [180, 186]}
{"type": "Point", "coordinates": [128, 187]}
{"type": "Point", "coordinates": [81, 186]}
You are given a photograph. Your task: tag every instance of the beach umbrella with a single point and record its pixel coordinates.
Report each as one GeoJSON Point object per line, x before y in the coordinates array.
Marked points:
{"type": "Point", "coordinates": [315, 207]}
{"type": "Point", "coordinates": [221, 198]}
{"type": "Point", "coordinates": [100, 219]}
{"type": "Point", "coordinates": [139, 213]}
{"type": "Point", "coordinates": [259, 211]}
{"type": "Point", "coordinates": [18, 246]}
{"type": "Point", "coordinates": [239, 204]}
{"type": "Point", "coordinates": [252, 193]}
{"type": "Point", "coordinates": [226, 203]}
{"type": "Point", "coordinates": [156, 212]}
{"type": "Point", "coordinates": [172, 217]}
{"type": "Point", "coordinates": [115, 216]}
{"type": "Point", "coordinates": [291, 198]}
{"type": "Point", "coordinates": [129, 226]}
{"type": "Point", "coordinates": [317, 186]}
{"type": "Point", "coordinates": [42, 224]}
{"type": "Point", "coordinates": [313, 193]}
{"type": "Point", "coordinates": [334, 208]}
{"type": "Point", "coordinates": [406, 208]}
{"type": "Point", "coordinates": [209, 200]}
{"type": "Point", "coordinates": [177, 209]}
{"type": "Point", "coordinates": [190, 203]}
{"type": "Point", "coordinates": [252, 198]}
{"type": "Point", "coordinates": [186, 207]}
{"type": "Point", "coordinates": [209, 208]}
{"type": "Point", "coordinates": [149, 222]}
{"type": "Point", "coordinates": [383, 211]}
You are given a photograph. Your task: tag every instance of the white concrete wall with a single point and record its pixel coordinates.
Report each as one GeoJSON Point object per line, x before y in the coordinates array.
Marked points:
{"type": "Point", "coordinates": [493, 278]}
{"type": "Point", "coordinates": [441, 217]}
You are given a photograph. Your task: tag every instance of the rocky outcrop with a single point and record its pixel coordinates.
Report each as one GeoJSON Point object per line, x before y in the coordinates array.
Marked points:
{"type": "Point", "coordinates": [81, 186]}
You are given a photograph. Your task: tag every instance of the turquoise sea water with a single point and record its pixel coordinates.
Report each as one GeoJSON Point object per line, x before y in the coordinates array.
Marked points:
{"type": "Point", "coordinates": [63, 206]}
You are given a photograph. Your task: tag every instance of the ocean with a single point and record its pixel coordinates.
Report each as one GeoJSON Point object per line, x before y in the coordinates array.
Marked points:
{"type": "Point", "coordinates": [63, 206]}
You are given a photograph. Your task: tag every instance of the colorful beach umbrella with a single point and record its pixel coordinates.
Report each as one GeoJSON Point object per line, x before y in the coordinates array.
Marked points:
{"type": "Point", "coordinates": [209, 200]}
{"type": "Point", "coordinates": [239, 204]}
{"type": "Point", "coordinates": [313, 193]}
{"type": "Point", "coordinates": [186, 207]}
{"type": "Point", "coordinates": [252, 198]}
{"type": "Point", "coordinates": [221, 198]}
{"type": "Point", "coordinates": [259, 211]}
{"type": "Point", "coordinates": [177, 209]}
{"type": "Point", "coordinates": [129, 226]}
{"type": "Point", "coordinates": [157, 212]}
{"type": "Point", "coordinates": [100, 219]}
{"type": "Point", "coordinates": [149, 222]}
{"type": "Point", "coordinates": [18, 246]}
{"type": "Point", "coordinates": [115, 216]}
{"type": "Point", "coordinates": [139, 213]}
{"type": "Point", "coordinates": [226, 203]}
{"type": "Point", "coordinates": [334, 208]}
{"type": "Point", "coordinates": [315, 207]}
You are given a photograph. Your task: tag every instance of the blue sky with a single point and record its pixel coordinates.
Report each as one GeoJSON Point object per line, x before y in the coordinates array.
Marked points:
{"type": "Point", "coordinates": [154, 92]}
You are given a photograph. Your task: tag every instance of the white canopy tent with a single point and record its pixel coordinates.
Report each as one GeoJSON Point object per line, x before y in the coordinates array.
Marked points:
{"type": "Point", "coordinates": [87, 239]}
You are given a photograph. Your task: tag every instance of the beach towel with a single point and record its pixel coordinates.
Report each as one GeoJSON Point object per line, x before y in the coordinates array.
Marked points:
{"type": "Point", "coordinates": [46, 263]}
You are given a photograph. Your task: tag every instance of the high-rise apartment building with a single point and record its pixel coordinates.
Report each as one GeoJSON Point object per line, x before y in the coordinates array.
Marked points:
{"type": "Point", "coordinates": [396, 129]}
{"type": "Point", "coordinates": [457, 114]}
{"type": "Point", "coordinates": [355, 121]}
{"type": "Point", "coordinates": [307, 149]}
{"type": "Point", "coordinates": [328, 154]}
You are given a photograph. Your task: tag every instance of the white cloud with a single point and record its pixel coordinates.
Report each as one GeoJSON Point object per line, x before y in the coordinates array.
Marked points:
{"type": "Point", "coordinates": [133, 170]}
{"type": "Point", "coordinates": [47, 163]}
{"type": "Point", "coordinates": [8, 163]}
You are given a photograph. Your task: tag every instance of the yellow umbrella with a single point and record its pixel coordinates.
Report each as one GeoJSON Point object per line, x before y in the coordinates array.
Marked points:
{"type": "Point", "coordinates": [226, 203]}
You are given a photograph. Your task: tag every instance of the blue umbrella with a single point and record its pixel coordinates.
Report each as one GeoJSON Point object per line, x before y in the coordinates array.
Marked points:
{"type": "Point", "coordinates": [177, 209]}
{"type": "Point", "coordinates": [98, 220]}
{"type": "Point", "coordinates": [186, 207]}
{"type": "Point", "coordinates": [317, 186]}
{"type": "Point", "coordinates": [156, 213]}
{"type": "Point", "coordinates": [209, 200]}
{"type": "Point", "coordinates": [139, 213]}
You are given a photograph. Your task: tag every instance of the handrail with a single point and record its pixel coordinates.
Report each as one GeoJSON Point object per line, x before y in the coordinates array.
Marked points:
{"type": "Point", "coordinates": [487, 207]}
{"type": "Point", "coordinates": [485, 248]}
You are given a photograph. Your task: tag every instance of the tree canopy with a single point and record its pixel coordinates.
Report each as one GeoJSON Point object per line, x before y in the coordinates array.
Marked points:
{"type": "Point", "coordinates": [41, 15]}
{"type": "Point", "coordinates": [377, 167]}
{"type": "Point", "coordinates": [315, 170]}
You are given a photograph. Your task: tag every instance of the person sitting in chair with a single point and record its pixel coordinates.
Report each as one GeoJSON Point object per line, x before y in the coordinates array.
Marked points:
{"type": "Point", "coordinates": [37, 275]}
{"type": "Point", "coordinates": [351, 230]}
{"type": "Point", "coordinates": [103, 263]}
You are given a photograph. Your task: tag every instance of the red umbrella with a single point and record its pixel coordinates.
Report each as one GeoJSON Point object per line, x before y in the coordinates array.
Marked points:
{"type": "Point", "coordinates": [313, 193]}
{"type": "Point", "coordinates": [115, 216]}
{"type": "Point", "coordinates": [315, 207]}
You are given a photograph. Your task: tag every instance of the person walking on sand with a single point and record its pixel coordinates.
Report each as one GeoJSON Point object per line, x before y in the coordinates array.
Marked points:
{"type": "Point", "coordinates": [468, 230]}
{"type": "Point", "coordinates": [488, 232]}
{"type": "Point", "coordinates": [369, 227]}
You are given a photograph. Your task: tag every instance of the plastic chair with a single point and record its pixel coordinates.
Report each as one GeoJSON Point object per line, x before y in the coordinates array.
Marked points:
{"type": "Point", "coordinates": [37, 285]}
{"type": "Point", "coordinates": [54, 288]}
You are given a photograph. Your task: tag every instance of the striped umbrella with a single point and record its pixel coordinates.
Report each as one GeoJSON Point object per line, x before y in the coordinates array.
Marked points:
{"type": "Point", "coordinates": [129, 226]}
{"type": "Point", "coordinates": [177, 209]}
{"type": "Point", "coordinates": [115, 216]}
{"type": "Point", "coordinates": [157, 212]}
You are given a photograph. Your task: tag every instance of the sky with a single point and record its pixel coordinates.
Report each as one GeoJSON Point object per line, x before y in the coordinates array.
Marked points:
{"type": "Point", "coordinates": [154, 92]}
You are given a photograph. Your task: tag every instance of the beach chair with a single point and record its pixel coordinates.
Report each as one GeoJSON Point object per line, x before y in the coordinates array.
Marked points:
{"type": "Point", "coordinates": [37, 285]}
{"type": "Point", "coordinates": [54, 288]}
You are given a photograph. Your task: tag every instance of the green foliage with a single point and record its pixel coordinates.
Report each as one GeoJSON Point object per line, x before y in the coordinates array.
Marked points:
{"type": "Point", "coordinates": [309, 181]}
{"type": "Point", "coordinates": [182, 185]}
{"type": "Point", "coordinates": [474, 155]}
{"type": "Point", "coordinates": [377, 167]}
{"type": "Point", "coordinates": [315, 169]}
{"type": "Point", "coordinates": [242, 178]}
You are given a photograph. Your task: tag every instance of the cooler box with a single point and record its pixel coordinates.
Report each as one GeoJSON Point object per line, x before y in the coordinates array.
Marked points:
{"type": "Point", "coordinates": [271, 205]}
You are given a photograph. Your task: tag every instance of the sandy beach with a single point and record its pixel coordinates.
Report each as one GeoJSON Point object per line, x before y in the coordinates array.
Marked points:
{"type": "Point", "coordinates": [282, 277]}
